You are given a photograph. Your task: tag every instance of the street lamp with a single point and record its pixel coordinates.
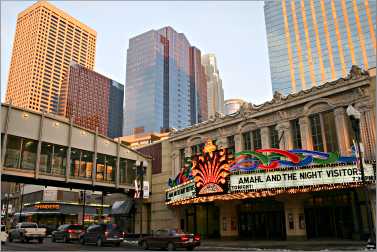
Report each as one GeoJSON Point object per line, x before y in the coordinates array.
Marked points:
{"type": "Point", "coordinates": [140, 171]}
{"type": "Point", "coordinates": [354, 116]}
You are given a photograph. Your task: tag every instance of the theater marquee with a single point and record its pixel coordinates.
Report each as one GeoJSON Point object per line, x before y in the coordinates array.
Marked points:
{"type": "Point", "coordinates": [298, 177]}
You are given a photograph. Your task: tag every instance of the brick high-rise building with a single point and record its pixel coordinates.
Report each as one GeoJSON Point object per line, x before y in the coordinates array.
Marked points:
{"type": "Point", "coordinates": [46, 41]}
{"type": "Point", "coordinates": [92, 100]}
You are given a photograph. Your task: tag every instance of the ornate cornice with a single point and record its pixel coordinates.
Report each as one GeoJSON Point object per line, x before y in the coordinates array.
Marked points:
{"type": "Point", "coordinates": [247, 110]}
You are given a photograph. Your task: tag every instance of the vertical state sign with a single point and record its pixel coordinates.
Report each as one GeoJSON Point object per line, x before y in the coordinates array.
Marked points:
{"type": "Point", "coordinates": [145, 189]}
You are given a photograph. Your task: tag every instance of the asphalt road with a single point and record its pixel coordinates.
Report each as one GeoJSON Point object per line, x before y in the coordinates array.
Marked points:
{"type": "Point", "coordinates": [48, 245]}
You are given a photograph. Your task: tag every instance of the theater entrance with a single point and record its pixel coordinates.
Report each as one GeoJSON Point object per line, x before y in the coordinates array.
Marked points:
{"type": "Point", "coordinates": [203, 219]}
{"type": "Point", "coordinates": [329, 215]}
{"type": "Point", "coordinates": [261, 220]}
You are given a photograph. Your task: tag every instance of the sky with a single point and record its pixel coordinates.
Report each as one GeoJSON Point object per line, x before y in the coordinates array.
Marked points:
{"type": "Point", "coordinates": [233, 31]}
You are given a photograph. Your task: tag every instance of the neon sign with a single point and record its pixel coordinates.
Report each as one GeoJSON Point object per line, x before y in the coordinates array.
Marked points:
{"type": "Point", "coordinates": [210, 169]}
{"type": "Point", "coordinates": [253, 160]}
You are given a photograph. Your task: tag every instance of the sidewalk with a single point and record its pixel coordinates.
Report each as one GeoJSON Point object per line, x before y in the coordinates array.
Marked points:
{"type": "Point", "coordinates": [309, 245]}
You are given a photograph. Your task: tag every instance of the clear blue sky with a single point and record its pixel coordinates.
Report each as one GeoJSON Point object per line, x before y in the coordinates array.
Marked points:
{"type": "Point", "coordinates": [234, 31]}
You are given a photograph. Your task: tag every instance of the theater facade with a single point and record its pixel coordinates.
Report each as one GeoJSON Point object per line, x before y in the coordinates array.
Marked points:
{"type": "Point", "coordinates": [283, 170]}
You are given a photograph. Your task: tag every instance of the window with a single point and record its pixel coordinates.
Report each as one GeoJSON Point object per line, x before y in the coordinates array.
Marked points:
{"type": "Point", "coordinates": [231, 144]}
{"type": "Point", "coordinates": [246, 141]}
{"type": "Point", "coordinates": [296, 134]}
{"type": "Point", "coordinates": [324, 132]}
{"type": "Point", "coordinates": [274, 137]}
{"type": "Point", "coordinates": [182, 158]}
{"type": "Point", "coordinates": [257, 141]}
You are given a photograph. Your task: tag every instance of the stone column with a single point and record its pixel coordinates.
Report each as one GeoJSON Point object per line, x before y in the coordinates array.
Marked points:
{"type": "Point", "coordinates": [368, 132]}
{"type": "Point", "coordinates": [285, 134]}
{"type": "Point", "coordinates": [306, 133]}
{"type": "Point", "coordinates": [265, 136]}
{"type": "Point", "coordinates": [342, 131]}
{"type": "Point", "coordinates": [175, 163]}
{"type": "Point", "coordinates": [238, 142]}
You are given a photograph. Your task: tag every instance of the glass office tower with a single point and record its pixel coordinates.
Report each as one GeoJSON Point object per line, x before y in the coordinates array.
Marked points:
{"type": "Point", "coordinates": [158, 87]}
{"type": "Point", "coordinates": [312, 42]}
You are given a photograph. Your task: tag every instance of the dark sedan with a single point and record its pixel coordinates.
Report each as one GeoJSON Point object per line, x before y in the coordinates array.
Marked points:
{"type": "Point", "coordinates": [170, 239]}
{"type": "Point", "coordinates": [67, 233]}
{"type": "Point", "coordinates": [101, 234]}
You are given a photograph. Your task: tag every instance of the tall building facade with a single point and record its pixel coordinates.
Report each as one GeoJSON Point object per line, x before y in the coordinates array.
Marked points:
{"type": "Point", "coordinates": [46, 41]}
{"type": "Point", "coordinates": [215, 91]}
{"type": "Point", "coordinates": [313, 42]}
{"type": "Point", "coordinates": [158, 82]}
{"type": "Point", "coordinates": [92, 100]}
{"type": "Point", "coordinates": [198, 87]}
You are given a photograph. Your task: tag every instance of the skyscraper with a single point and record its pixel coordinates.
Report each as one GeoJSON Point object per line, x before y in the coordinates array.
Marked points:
{"type": "Point", "coordinates": [215, 91]}
{"type": "Point", "coordinates": [311, 42]}
{"type": "Point", "coordinates": [92, 100]}
{"type": "Point", "coordinates": [158, 82]}
{"type": "Point", "coordinates": [198, 87]}
{"type": "Point", "coordinates": [46, 41]}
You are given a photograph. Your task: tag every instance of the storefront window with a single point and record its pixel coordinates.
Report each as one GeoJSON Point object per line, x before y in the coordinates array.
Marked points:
{"type": "Point", "coordinates": [105, 167]}
{"type": "Point", "coordinates": [12, 153]}
{"type": "Point", "coordinates": [59, 161]}
{"type": "Point", "coordinates": [45, 161]}
{"type": "Point", "coordinates": [86, 164]}
{"type": "Point", "coordinates": [28, 154]}
{"type": "Point", "coordinates": [75, 162]}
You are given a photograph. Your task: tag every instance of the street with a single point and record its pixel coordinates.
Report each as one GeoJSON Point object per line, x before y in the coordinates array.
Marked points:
{"type": "Point", "coordinates": [48, 245]}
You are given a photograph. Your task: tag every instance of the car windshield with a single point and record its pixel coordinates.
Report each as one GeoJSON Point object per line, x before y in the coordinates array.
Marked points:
{"type": "Point", "coordinates": [29, 225]}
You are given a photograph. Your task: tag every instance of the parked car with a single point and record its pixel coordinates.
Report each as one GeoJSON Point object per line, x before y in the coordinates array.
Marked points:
{"type": "Point", "coordinates": [67, 232]}
{"type": "Point", "coordinates": [170, 239]}
{"type": "Point", "coordinates": [101, 234]}
{"type": "Point", "coordinates": [26, 231]}
{"type": "Point", "coordinates": [3, 234]}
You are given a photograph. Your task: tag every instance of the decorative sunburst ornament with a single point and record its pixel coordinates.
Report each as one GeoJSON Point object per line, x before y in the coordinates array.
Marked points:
{"type": "Point", "coordinates": [211, 169]}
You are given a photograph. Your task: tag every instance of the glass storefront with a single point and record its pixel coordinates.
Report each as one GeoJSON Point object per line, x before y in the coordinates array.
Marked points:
{"type": "Point", "coordinates": [203, 219]}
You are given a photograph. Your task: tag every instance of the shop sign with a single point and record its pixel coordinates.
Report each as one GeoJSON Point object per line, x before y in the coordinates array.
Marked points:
{"type": "Point", "coordinates": [47, 206]}
{"type": "Point", "coordinates": [185, 191]}
{"type": "Point", "coordinates": [299, 177]}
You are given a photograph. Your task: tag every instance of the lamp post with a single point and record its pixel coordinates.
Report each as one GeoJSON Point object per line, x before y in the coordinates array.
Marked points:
{"type": "Point", "coordinates": [354, 116]}
{"type": "Point", "coordinates": [140, 171]}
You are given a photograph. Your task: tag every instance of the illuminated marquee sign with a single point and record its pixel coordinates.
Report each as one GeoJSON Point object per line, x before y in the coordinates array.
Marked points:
{"type": "Point", "coordinates": [47, 206]}
{"type": "Point", "coordinates": [185, 191]}
{"type": "Point", "coordinates": [298, 177]}
{"type": "Point", "coordinates": [210, 169]}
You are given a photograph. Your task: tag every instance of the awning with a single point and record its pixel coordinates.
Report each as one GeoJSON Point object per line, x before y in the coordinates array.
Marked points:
{"type": "Point", "coordinates": [122, 207]}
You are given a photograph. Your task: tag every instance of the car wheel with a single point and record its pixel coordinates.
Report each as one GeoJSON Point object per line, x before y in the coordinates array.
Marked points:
{"type": "Point", "coordinates": [171, 246]}
{"type": "Point", "coordinates": [53, 238]}
{"type": "Point", "coordinates": [99, 242]}
{"type": "Point", "coordinates": [40, 240]}
{"type": "Point", "coordinates": [190, 248]}
{"type": "Point", "coordinates": [65, 240]}
{"type": "Point", "coordinates": [144, 245]}
{"type": "Point", "coordinates": [117, 244]}
{"type": "Point", "coordinates": [82, 240]}
{"type": "Point", "coordinates": [10, 238]}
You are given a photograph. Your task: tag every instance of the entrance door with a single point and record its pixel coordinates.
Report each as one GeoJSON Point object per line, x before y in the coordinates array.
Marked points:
{"type": "Point", "coordinates": [262, 220]}
{"type": "Point", "coordinates": [329, 216]}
